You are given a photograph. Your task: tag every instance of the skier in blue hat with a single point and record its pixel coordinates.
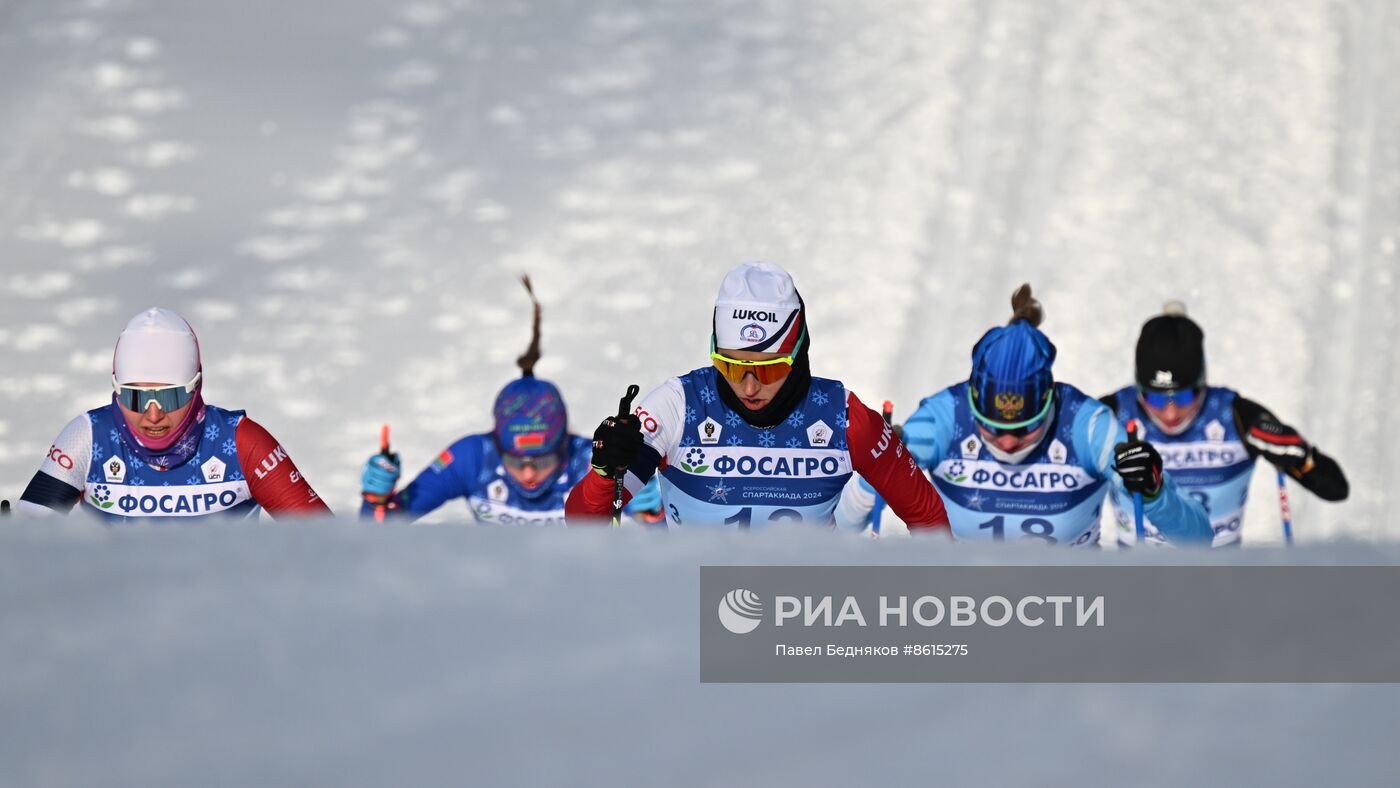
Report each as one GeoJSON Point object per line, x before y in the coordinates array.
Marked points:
{"type": "Point", "coordinates": [518, 473]}
{"type": "Point", "coordinates": [1018, 456]}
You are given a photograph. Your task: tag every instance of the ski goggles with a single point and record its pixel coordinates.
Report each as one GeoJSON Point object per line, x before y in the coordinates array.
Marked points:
{"type": "Point", "coordinates": [1158, 399]}
{"type": "Point", "coordinates": [771, 371]}
{"type": "Point", "coordinates": [543, 464]}
{"type": "Point", "coordinates": [1013, 428]}
{"type": "Point", "coordinates": [167, 398]}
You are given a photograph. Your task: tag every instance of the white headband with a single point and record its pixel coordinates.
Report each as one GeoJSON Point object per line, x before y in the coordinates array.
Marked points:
{"type": "Point", "coordinates": [758, 309]}
{"type": "Point", "coordinates": [158, 346]}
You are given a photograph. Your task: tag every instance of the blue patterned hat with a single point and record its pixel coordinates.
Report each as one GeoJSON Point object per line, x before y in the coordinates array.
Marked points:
{"type": "Point", "coordinates": [530, 417]}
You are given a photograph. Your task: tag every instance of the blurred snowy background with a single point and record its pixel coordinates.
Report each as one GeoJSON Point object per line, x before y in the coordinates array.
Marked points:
{"type": "Point", "coordinates": [340, 196]}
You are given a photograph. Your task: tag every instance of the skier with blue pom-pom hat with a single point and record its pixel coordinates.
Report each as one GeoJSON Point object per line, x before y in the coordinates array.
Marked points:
{"type": "Point", "coordinates": [517, 473]}
{"type": "Point", "coordinates": [1017, 455]}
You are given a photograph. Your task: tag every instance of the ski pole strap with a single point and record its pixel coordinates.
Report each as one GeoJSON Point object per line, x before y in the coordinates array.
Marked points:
{"type": "Point", "coordinates": [624, 406]}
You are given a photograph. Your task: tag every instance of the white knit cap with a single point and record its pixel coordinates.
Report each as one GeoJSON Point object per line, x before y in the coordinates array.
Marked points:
{"type": "Point", "coordinates": [158, 346]}
{"type": "Point", "coordinates": [758, 309]}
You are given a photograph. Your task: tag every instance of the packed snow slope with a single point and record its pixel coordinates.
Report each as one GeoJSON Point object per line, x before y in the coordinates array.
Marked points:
{"type": "Point", "coordinates": [341, 202]}
{"type": "Point", "coordinates": [344, 654]}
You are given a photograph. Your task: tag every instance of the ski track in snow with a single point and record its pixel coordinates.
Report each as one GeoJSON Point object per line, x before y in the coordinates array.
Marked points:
{"type": "Point", "coordinates": [1355, 362]}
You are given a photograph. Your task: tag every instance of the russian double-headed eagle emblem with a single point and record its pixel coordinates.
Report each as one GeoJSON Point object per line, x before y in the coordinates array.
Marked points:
{"type": "Point", "coordinates": [1010, 405]}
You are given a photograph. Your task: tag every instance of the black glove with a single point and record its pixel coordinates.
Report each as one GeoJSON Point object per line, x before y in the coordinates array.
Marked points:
{"type": "Point", "coordinates": [1280, 444]}
{"type": "Point", "coordinates": [616, 443]}
{"type": "Point", "coordinates": [1140, 466]}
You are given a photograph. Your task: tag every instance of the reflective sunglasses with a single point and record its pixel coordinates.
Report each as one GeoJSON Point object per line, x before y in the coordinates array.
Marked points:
{"type": "Point", "coordinates": [543, 464]}
{"type": "Point", "coordinates": [766, 372]}
{"type": "Point", "coordinates": [1157, 400]}
{"type": "Point", "coordinates": [1016, 428]}
{"type": "Point", "coordinates": [167, 398]}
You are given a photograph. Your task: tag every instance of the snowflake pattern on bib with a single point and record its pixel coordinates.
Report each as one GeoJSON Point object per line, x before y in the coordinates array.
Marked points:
{"type": "Point", "coordinates": [182, 491]}
{"type": "Point", "coordinates": [756, 477]}
{"type": "Point", "coordinates": [1209, 462]}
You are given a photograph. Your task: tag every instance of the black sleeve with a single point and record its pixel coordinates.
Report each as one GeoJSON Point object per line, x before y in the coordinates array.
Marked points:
{"type": "Point", "coordinates": [1320, 475]}
{"type": "Point", "coordinates": [50, 493]}
{"type": "Point", "coordinates": [1111, 400]}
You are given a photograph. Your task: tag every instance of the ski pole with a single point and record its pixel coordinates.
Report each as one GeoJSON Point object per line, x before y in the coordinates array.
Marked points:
{"type": "Point", "coordinates": [887, 410]}
{"type": "Point", "coordinates": [4, 508]}
{"type": "Point", "coordinates": [1139, 529]}
{"type": "Point", "coordinates": [1284, 509]}
{"type": "Point", "coordinates": [624, 407]}
{"type": "Point", "coordinates": [384, 450]}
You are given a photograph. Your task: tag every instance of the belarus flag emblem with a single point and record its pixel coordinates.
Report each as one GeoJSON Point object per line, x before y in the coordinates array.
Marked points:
{"type": "Point", "coordinates": [529, 440]}
{"type": "Point", "coordinates": [443, 460]}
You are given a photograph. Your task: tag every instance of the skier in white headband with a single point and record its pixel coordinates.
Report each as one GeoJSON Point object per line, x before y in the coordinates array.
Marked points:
{"type": "Point", "coordinates": [158, 450]}
{"type": "Point", "coordinates": [753, 439]}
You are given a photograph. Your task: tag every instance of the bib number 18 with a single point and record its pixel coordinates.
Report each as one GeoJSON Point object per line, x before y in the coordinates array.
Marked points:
{"type": "Point", "coordinates": [1033, 527]}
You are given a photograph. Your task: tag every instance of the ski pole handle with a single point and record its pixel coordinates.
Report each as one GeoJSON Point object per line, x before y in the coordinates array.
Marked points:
{"type": "Point", "coordinates": [624, 407]}
{"type": "Point", "coordinates": [1139, 529]}
{"type": "Point", "coordinates": [4, 508]}
{"type": "Point", "coordinates": [379, 509]}
{"type": "Point", "coordinates": [1285, 510]}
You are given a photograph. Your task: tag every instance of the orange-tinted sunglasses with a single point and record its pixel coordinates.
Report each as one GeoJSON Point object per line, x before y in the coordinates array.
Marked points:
{"type": "Point", "coordinates": [766, 372]}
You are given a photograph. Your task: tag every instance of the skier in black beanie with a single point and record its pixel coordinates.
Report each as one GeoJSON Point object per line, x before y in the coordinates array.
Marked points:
{"type": "Point", "coordinates": [1210, 436]}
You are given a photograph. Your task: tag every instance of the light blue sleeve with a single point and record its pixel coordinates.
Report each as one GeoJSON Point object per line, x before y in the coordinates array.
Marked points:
{"type": "Point", "coordinates": [929, 430]}
{"type": "Point", "coordinates": [1179, 517]}
{"type": "Point", "coordinates": [648, 499]}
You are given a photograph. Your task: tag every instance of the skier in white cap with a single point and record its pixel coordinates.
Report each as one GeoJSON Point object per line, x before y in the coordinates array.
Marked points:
{"type": "Point", "coordinates": [157, 450]}
{"type": "Point", "coordinates": [753, 439]}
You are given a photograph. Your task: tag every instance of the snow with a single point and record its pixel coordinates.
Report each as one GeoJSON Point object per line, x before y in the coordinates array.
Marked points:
{"type": "Point", "coordinates": [347, 654]}
{"type": "Point", "coordinates": [342, 203]}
